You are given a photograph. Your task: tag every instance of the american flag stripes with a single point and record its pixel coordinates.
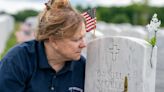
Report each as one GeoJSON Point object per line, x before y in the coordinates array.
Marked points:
{"type": "Point", "coordinates": [90, 18]}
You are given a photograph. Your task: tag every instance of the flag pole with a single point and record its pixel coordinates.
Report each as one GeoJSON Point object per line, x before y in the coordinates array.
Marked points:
{"type": "Point", "coordinates": [95, 23]}
{"type": "Point", "coordinates": [94, 33]}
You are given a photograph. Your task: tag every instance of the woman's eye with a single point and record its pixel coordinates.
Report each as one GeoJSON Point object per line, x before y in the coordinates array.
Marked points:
{"type": "Point", "coordinates": [77, 39]}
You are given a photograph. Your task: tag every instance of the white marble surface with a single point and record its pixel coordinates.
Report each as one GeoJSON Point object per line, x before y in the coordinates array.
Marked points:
{"type": "Point", "coordinates": [6, 26]}
{"type": "Point", "coordinates": [110, 59]}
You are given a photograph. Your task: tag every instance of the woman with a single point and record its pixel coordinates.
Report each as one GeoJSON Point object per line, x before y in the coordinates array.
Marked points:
{"type": "Point", "coordinates": [52, 62]}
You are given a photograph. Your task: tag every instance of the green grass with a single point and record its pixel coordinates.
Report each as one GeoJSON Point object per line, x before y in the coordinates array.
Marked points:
{"type": "Point", "coordinates": [11, 41]}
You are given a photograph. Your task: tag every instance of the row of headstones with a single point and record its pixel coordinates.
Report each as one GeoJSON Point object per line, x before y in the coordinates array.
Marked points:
{"type": "Point", "coordinates": [127, 30]}
{"type": "Point", "coordinates": [122, 30]}
{"type": "Point", "coordinates": [6, 27]}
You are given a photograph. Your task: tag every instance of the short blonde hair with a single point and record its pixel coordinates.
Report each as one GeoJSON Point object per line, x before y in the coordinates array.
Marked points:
{"type": "Point", "coordinates": [58, 20]}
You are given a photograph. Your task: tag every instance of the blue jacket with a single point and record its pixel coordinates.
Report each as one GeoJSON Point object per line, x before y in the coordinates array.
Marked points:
{"type": "Point", "coordinates": [25, 69]}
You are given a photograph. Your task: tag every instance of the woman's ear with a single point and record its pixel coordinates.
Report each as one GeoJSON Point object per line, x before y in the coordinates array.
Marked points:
{"type": "Point", "coordinates": [51, 39]}
{"type": "Point", "coordinates": [53, 42]}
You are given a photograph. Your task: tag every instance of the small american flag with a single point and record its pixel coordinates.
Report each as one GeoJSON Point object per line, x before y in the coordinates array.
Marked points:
{"type": "Point", "coordinates": [90, 18]}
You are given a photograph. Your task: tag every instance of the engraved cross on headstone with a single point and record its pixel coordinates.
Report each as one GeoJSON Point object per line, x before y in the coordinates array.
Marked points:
{"type": "Point", "coordinates": [114, 52]}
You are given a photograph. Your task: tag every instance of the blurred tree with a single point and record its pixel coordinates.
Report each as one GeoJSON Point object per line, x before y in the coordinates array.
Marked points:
{"type": "Point", "coordinates": [137, 14]}
{"type": "Point", "coordinates": [22, 15]}
{"type": "Point", "coordinates": [103, 14]}
{"type": "Point", "coordinates": [145, 13]}
{"type": "Point", "coordinates": [79, 8]}
{"type": "Point", "coordinates": [120, 18]}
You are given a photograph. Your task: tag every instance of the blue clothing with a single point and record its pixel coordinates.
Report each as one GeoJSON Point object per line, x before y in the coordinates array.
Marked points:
{"type": "Point", "coordinates": [25, 69]}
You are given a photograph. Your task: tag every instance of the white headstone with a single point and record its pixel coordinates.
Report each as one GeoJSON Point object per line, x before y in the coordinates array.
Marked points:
{"type": "Point", "coordinates": [111, 59]}
{"type": "Point", "coordinates": [7, 26]}
{"type": "Point", "coordinates": [8, 22]}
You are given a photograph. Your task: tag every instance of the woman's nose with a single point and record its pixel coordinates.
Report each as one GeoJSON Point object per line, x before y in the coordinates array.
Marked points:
{"type": "Point", "coordinates": [83, 44]}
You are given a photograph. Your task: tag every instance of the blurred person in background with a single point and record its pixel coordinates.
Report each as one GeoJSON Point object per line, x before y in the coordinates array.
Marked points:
{"type": "Point", "coordinates": [27, 30]}
{"type": "Point", "coordinates": [25, 33]}
{"type": "Point", "coordinates": [52, 62]}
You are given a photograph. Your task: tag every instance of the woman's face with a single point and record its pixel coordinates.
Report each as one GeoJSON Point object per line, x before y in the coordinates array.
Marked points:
{"type": "Point", "coordinates": [70, 48]}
